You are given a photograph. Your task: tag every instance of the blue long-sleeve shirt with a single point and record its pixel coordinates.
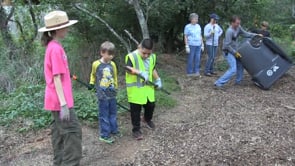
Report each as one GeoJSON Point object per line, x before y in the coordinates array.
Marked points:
{"type": "Point", "coordinates": [230, 42]}
{"type": "Point", "coordinates": [193, 33]}
{"type": "Point", "coordinates": [209, 28]}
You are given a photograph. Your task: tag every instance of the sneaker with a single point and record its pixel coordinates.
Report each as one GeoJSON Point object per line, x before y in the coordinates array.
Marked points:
{"type": "Point", "coordinates": [150, 125]}
{"type": "Point", "coordinates": [137, 135]}
{"type": "Point", "coordinates": [216, 87]}
{"type": "Point", "coordinates": [118, 134]}
{"type": "Point", "coordinates": [208, 74]}
{"type": "Point", "coordinates": [240, 84]}
{"type": "Point", "coordinates": [190, 75]}
{"type": "Point", "coordinates": [107, 140]}
{"type": "Point", "coordinates": [213, 73]}
{"type": "Point", "coordinates": [197, 74]}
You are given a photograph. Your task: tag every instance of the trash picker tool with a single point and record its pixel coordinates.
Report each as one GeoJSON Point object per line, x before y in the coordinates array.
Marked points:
{"type": "Point", "coordinates": [74, 77]}
{"type": "Point", "coordinates": [148, 82]}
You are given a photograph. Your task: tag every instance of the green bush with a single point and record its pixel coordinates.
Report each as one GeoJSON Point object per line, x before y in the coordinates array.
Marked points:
{"type": "Point", "coordinates": [170, 84]}
{"type": "Point", "coordinates": [86, 105]}
{"type": "Point", "coordinates": [25, 102]}
{"type": "Point", "coordinates": [222, 65]}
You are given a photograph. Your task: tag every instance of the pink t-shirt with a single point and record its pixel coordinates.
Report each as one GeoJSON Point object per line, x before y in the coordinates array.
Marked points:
{"type": "Point", "coordinates": [56, 63]}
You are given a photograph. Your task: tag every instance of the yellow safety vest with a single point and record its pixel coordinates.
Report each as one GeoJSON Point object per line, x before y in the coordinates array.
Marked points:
{"type": "Point", "coordinates": [137, 91]}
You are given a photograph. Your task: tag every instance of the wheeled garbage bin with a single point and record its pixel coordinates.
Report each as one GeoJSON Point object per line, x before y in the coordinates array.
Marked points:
{"type": "Point", "coordinates": [265, 61]}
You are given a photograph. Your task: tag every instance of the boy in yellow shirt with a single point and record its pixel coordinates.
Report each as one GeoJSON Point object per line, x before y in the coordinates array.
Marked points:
{"type": "Point", "coordinates": [105, 80]}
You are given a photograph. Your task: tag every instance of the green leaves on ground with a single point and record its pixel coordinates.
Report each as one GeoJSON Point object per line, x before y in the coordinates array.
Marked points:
{"type": "Point", "coordinates": [24, 106]}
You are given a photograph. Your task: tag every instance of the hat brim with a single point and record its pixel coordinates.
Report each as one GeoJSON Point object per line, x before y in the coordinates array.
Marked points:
{"type": "Point", "coordinates": [71, 22]}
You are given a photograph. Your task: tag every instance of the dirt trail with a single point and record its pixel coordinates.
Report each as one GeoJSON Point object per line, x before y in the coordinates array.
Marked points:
{"type": "Point", "coordinates": [241, 125]}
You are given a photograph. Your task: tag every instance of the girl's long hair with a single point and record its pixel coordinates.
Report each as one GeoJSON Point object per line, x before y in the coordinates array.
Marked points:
{"type": "Point", "coordinates": [47, 37]}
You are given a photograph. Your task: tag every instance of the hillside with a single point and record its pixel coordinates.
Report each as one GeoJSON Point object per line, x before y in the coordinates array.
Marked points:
{"type": "Point", "coordinates": [241, 125]}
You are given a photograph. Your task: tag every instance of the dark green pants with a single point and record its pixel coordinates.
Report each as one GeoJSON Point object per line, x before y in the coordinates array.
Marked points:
{"type": "Point", "coordinates": [66, 140]}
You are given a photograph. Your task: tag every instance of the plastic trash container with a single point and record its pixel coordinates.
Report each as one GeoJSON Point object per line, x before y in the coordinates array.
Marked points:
{"type": "Point", "coordinates": [265, 61]}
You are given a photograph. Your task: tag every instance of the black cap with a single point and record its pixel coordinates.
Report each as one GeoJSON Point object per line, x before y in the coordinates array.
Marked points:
{"type": "Point", "coordinates": [214, 16]}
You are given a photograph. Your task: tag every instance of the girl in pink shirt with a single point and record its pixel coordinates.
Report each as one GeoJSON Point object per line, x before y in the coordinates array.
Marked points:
{"type": "Point", "coordinates": [66, 129]}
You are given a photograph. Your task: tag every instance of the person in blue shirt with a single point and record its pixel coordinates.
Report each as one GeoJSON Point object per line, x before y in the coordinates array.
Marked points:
{"type": "Point", "coordinates": [212, 32]}
{"type": "Point", "coordinates": [193, 45]}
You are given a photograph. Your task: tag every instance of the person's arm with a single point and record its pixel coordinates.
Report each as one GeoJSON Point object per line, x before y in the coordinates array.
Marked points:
{"type": "Point", "coordinates": [207, 31]}
{"type": "Point", "coordinates": [220, 31]}
{"type": "Point", "coordinates": [92, 74]}
{"type": "Point", "coordinates": [228, 41]}
{"type": "Point", "coordinates": [186, 35]}
{"type": "Point", "coordinates": [246, 34]}
{"type": "Point", "coordinates": [267, 34]}
{"type": "Point", "coordinates": [155, 74]}
{"type": "Point", "coordinates": [129, 63]}
{"type": "Point", "coordinates": [158, 81]}
{"type": "Point", "coordinates": [64, 113]}
{"type": "Point", "coordinates": [115, 76]}
{"type": "Point", "coordinates": [186, 40]}
{"type": "Point", "coordinates": [59, 90]}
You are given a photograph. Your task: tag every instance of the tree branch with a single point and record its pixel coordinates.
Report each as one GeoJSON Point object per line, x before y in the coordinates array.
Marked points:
{"type": "Point", "coordinates": [34, 22]}
{"type": "Point", "coordinates": [289, 107]}
{"type": "Point", "coordinates": [131, 37]}
{"type": "Point", "coordinates": [9, 15]}
{"type": "Point", "coordinates": [19, 25]}
{"type": "Point", "coordinates": [126, 45]}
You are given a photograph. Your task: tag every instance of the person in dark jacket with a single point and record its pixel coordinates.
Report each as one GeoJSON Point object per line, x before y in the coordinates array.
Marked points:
{"type": "Point", "coordinates": [263, 30]}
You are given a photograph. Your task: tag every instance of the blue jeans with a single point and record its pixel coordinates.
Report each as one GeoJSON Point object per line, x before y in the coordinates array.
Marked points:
{"type": "Point", "coordinates": [235, 67]}
{"type": "Point", "coordinates": [108, 117]}
{"type": "Point", "coordinates": [211, 50]}
{"type": "Point", "coordinates": [193, 60]}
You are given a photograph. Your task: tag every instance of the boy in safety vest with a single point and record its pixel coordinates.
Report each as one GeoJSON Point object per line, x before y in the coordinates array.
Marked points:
{"type": "Point", "coordinates": [104, 78]}
{"type": "Point", "coordinates": [141, 64]}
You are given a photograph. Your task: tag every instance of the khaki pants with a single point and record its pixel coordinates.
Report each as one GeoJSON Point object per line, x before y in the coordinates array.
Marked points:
{"type": "Point", "coordinates": [66, 140]}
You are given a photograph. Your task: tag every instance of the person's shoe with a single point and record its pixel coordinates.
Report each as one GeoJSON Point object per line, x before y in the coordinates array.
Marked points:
{"type": "Point", "coordinates": [197, 74]}
{"type": "Point", "coordinates": [137, 135]}
{"type": "Point", "coordinates": [208, 74]}
{"type": "Point", "coordinates": [240, 84]}
{"type": "Point", "coordinates": [117, 134]}
{"type": "Point", "coordinates": [107, 140]}
{"type": "Point", "coordinates": [216, 87]}
{"type": "Point", "coordinates": [190, 75]}
{"type": "Point", "coordinates": [150, 125]}
{"type": "Point", "coordinates": [213, 73]}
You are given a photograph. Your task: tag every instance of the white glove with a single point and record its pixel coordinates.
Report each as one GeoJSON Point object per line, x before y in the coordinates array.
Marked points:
{"type": "Point", "coordinates": [144, 75]}
{"type": "Point", "coordinates": [158, 83]}
{"type": "Point", "coordinates": [64, 113]}
{"type": "Point", "coordinates": [187, 49]}
{"type": "Point", "coordinates": [202, 48]}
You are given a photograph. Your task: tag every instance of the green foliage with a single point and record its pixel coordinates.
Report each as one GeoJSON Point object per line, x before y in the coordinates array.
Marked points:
{"type": "Point", "coordinates": [86, 105]}
{"type": "Point", "coordinates": [287, 45]}
{"type": "Point", "coordinates": [169, 83]}
{"type": "Point", "coordinates": [25, 102]}
{"type": "Point", "coordinates": [21, 59]}
{"type": "Point", "coordinates": [222, 65]}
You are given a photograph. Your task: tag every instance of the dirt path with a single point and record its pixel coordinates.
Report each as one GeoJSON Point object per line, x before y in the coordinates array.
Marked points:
{"type": "Point", "coordinates": [241, 125]}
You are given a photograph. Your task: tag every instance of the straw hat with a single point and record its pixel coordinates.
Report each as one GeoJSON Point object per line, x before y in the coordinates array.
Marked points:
{"type": "Point", "coordinates": [56, 20]}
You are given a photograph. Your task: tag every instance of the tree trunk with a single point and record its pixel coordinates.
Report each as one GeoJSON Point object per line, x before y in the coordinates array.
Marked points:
{"type": "Point", "coordinates": [6, 37]}
{"type": "Point", "coordinates": [141, 19]}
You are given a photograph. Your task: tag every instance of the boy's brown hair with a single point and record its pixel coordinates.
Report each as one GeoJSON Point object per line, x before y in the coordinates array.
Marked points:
{"type": "Point", "coordinates": [108, 47]}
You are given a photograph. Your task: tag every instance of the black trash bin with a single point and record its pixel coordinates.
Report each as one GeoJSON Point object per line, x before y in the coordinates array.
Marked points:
{"type": "Point", "coordinates": [265, 61]}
